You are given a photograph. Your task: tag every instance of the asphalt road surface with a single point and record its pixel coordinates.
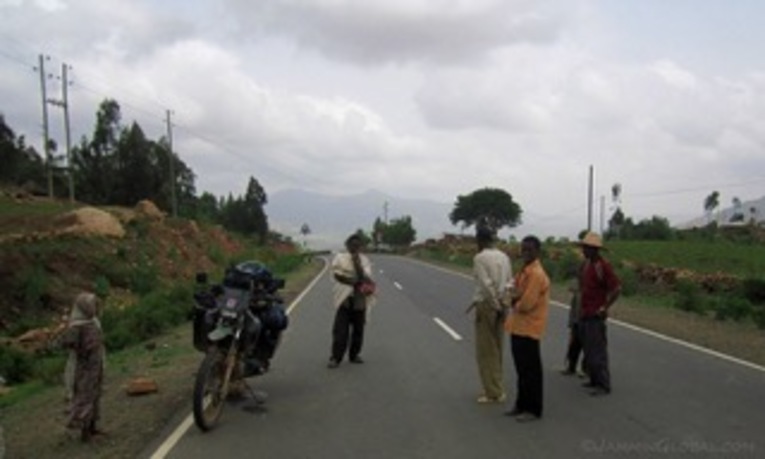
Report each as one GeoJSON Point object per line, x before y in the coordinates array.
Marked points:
{"type": "Point", "coordinates": [415, 395]}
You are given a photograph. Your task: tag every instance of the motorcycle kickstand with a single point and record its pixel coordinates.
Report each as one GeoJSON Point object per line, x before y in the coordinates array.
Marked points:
{"type": "Point", "coordinates": [258, 396]}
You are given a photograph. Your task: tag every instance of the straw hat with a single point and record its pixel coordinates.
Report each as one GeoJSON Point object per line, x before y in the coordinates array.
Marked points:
{"type": "Point", "coordinates": [592, 240]}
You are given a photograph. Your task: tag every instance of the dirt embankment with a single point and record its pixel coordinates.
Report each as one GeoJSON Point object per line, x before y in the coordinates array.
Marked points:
{"type": "Point", "coordinates": [47, 257]}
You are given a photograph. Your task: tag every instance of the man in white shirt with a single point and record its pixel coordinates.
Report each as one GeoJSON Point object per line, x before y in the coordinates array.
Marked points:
{"type": "Point", "coordinates": [493, 274]}
{"type": "Point", "coordinates": [353, 296]}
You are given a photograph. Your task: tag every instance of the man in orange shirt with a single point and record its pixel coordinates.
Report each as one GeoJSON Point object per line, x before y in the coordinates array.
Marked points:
{"type": "Point", "coordinates": [526, 324]}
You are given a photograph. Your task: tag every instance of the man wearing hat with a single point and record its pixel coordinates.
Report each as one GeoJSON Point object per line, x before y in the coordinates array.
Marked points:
{"type": "Point", "coordinates": [599, 290]}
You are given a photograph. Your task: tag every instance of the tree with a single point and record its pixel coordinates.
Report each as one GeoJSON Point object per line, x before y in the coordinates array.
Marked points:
{"type": "Point", "coordinates": [615, 223]}
{"type": "Point", "coordinates": [399, 232]}
{"type": "Point", "coordinates": [365, 239]}
{"type": "Point", "coordinates": [93, 161]}
{"type": "Point", "coordinates": [492, 207]}
{"type": "Point", "coordinates": [305, 230]}
{"type": "Point", "coordinates": [206, 208]}
{"type": "Point", "coordinates": [21, 165]}
{"type": "Point", "coordinates": [134, 178]}
{"type": "Point", "coordinates": [617, 218]}
{"type": "Point", "coordinates": [616, 195]}
{"type": "Point", "coordinates": [711, 203]}
{"type": "Point", "coordinates": [738, 212]}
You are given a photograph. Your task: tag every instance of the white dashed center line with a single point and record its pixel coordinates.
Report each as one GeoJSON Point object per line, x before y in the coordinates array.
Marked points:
{"type": "Point", "coordinates": [447, 329]}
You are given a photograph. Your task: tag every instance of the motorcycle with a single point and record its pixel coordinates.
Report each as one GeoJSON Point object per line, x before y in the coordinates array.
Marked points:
{"type": "Point", "coordinates": [237, 324]}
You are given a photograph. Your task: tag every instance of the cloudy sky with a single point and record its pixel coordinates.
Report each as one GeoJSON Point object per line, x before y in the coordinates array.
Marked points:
{"type": "Point", "coordinates": [420, 98]}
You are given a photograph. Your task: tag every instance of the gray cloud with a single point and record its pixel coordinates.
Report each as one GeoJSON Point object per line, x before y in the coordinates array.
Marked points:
{"type": "Point", "coordinates": [404, 30]}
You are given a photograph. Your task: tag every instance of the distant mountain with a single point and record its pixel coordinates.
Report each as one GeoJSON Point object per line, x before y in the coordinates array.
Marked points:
{"type": "Point", "coordinates": [749, 209]}
{"type": "Point", "coordinates": [332, 218]}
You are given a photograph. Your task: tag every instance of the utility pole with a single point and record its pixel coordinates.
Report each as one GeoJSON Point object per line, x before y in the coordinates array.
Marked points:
{"type": "Point", "coordinates": [64, 103]}
{"type": "Point", "coordinates": [385, 211]}
{"type": "Point", "coordinates": [602, 214]}
{"type": "Point", "coordinates": [589, 200]}
{"type": "Point", "coordinates": [46, 141]}
{"type": "Point", "coordinates": [171, 158]}
{"type": "Point", "coordinates": [67, 129]}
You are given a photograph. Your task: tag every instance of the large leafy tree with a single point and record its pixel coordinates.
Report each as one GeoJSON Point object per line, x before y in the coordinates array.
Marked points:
{"type": "Point", "coordinates": [135, 177]}
{"type": "Point", "coordinates": [94, 165]}
{"type": "Point", "coordinates": [399, 232]}
{"type": "Point", "coordinates": [122, 166]}
{"type": "Point", "coordinates": [492, 207]}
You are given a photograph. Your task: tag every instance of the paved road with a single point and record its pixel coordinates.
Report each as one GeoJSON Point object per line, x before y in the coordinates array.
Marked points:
{"type": "Point", "coordinates": [415, 396]}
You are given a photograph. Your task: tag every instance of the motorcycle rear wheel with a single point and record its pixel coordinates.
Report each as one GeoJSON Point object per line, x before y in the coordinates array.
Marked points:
{"type": "Point", "coordinates": [210, 389]}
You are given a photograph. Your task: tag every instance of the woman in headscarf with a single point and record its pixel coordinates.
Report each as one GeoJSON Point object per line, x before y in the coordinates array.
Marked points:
{"type": "Point", "coordinates": [85, 371]}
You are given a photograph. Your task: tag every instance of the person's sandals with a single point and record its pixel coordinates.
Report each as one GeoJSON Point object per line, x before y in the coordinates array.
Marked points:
{"type": "Point", "coordinates": [483, 399]}
{"type": "Point", "coordinates": [526, 417]}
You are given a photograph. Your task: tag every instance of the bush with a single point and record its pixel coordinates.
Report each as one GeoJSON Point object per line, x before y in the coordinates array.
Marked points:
{"type": "Point", "coordinates": [35, 285]}
{"type": "Point", "coordinates": [50, 369]}
{"type": "Point", "coordinates": [216, 254]}
{"type": "Point", "coordinates": [758, 316]}
{"type": "Point", "coordinates": [689, 297]}
{"type": "Point", "coordinates": [150, 316]}
{"type": "Point", "coordinates": [287, 263]}
{"type": "Point", "coordinates": [28, 322]}
{"type": "Point", "coordinates": [118, 337]}
{"type": "Point", "coordinates": [15, 365]}
{"type": "Point", "coordinates": [101, 287]}
{"type": "Point", "coordinates": [144, 278]}
{"type": "Point", "coordinates": [565, 267]}
{"type": "Point", "coordinates": [629, 280]}
{"type": "Point", "coordinates": [754, 290]}
{"type": "Point", "coordinates": [732, 307]}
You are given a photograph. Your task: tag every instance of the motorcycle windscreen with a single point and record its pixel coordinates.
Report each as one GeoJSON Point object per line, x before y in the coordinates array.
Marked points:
{"type": "Point", "coordinates": [231, 305]}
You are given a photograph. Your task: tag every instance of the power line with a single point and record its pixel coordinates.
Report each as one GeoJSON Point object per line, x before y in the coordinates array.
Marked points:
{"type": "Point", "coordinates": [706, 187]}
{"type": "Point", "coordinates": [18, 60]}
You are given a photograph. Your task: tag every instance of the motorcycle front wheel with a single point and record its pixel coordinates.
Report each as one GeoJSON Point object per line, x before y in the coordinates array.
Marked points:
{"type": "Point", "coordinates": [210, 389]}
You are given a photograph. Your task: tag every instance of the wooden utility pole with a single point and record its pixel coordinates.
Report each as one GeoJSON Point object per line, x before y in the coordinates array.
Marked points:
{"type": "Point", "coordinates": [171, 158]}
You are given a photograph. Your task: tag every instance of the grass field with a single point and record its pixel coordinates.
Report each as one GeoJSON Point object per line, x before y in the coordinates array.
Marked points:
{"type": "Point", "coordinates": [745, 260]}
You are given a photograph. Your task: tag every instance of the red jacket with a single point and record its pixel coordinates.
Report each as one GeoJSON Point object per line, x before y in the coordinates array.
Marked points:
{"type": "Point", "coordinates": [597, 281]}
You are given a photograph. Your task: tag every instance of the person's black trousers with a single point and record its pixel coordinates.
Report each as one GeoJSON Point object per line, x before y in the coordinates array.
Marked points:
{"type": "Point", "coordinates": [528, 367]}
{"type": "Point", "coordinates": [595, 343]}
{"type": "Point", "coordinates": [349, 322]}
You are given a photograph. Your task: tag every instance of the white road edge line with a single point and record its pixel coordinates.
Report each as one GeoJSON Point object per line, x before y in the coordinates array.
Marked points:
{"type": "Point", "coordinates": [171, 441]}
{"type": "Point", "coordinates": [447, 329]}
{"type": "Point", "coordinates": [679, 342]}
